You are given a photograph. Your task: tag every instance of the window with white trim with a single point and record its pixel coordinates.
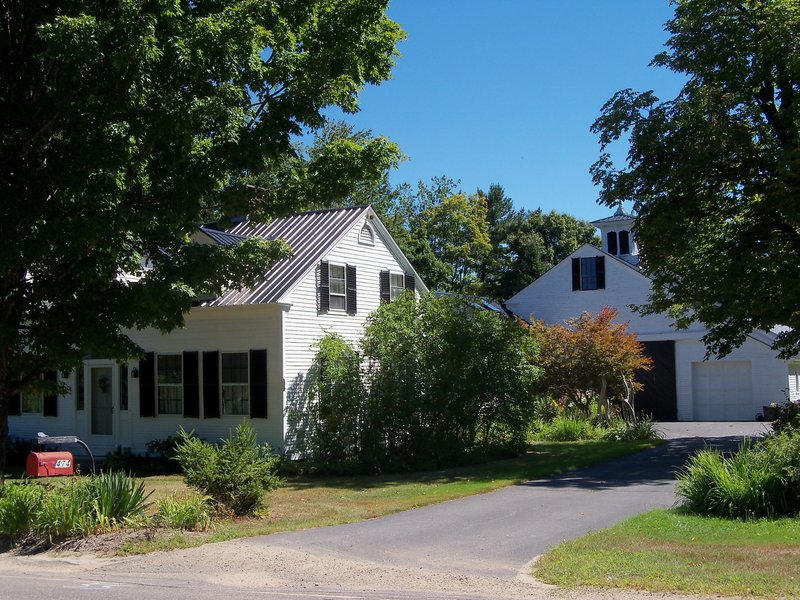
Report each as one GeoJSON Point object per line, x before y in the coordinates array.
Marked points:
{"type": "Point", "coordinates": [170, 384]}
{"type": "Point", "coordinates": [235, 383]}
{"type": "Point", "coordinates": [338, 287]}
{"type": "Point", "coordinates": [397, 285]}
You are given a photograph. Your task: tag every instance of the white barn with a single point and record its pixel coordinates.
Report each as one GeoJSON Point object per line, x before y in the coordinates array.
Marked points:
{"type": "Point", "coordinates": [244, 355]}
{"type": "Point", "coordinates": [682, 385]}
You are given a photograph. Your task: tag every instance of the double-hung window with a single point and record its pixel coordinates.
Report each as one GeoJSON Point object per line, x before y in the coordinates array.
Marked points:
{"type": "Point", "coordinates": [170, 384]}
{"type": "Point", "coordinates": [235, 382]}
{"type": "Point", "coordinates": [397, 285]}
{"type": "Point", "coordinates": [338, 289]}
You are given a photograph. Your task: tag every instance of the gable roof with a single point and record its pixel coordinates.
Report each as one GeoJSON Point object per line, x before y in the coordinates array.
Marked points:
{"type": "Point", "coordinates": [223, 238]}
{"type": "Point", "coordinates": [310, 235]}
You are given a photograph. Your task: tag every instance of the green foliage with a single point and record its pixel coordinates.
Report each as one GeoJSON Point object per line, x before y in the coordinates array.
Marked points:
{"type": "Point", "coordinates": [68, 510]}
{"type": "Point", "coordinates": [185, 512]}
{"type": "Point", "coordinates": [788, 417]}
{"type": "Point", "coordinates": [620, 430]}
{"type": "Point", "coordinates": [568, 428]}
{"type": "Point", "coordinates": [235, 474]}
{"type": "Point", "coordinates": [125, 125]}
{"type": "Point", "coordinates": [163, 448]}
{"type": "Point", "coordinates": [76, 506]}
{"type": "Point", "coordinates": [761, 479]}
{"type": "Point", "coordinates": [19, 504]}
{"type": "Point", "coordinates": [339, 404]}
{"type": "Point", "coordinates": [117, 497]}
{"type": "Point", "coordinates": [442, 379]}
{"type": "Point", "coordinates": [714, 172]}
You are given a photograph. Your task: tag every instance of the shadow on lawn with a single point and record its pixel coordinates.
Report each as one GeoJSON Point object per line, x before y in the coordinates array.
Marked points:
{"type": "Point", "coordinates": [542, 459]}
{"type": "Point", "coordinates": [656, 467]}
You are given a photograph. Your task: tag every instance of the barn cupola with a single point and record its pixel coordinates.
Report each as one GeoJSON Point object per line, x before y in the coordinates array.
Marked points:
{"type": "Point", "coordinates": [616, 233]}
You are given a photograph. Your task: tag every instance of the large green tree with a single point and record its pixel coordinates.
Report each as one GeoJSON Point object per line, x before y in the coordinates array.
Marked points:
{"type": "Point", "coordinates": [715, 172]}
{"type": "Point", "coordinates": [125, 124]}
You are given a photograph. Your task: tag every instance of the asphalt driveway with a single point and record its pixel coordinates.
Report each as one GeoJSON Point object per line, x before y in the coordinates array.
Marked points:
{"type": "Point", "coordinates": [496, 534]}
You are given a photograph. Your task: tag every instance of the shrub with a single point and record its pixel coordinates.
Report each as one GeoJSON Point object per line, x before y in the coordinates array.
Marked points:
{"type": "Point", "coordinates": [235, 474]}
{"type": "Point", "coordinates": [164, 448]}
{"type": "Point", "coordinates": [567, 428]}
{"type": "Point", "coordinates": [67, 510]}
{"type": "Point", "coordinates": [621, 431]}
{"type": "Point", "coordinates": [18, 506]}
{"type": "Point", "coordinates": [185, 512]}
{"type": "Point", "coordinates": [788, 417]}
{"type": "Point", "coordinates": [759, 480]}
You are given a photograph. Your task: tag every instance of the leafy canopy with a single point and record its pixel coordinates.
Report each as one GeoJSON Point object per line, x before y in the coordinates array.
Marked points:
{"type": "Point", "coordinates": [715, 172]}
{"type": "Point", "coordinates": [124, 125]}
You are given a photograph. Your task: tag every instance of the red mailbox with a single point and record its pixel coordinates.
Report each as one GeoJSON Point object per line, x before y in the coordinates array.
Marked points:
{"type": "Point", "coordinates": [47, 464]}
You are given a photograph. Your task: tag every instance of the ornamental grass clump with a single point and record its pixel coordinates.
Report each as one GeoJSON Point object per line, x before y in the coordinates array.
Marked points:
{"type": "Point", "coordinates": [190, 512]}
{"type": "Point", "coordinates": [18, 506]}
{"type": "Point", "coordinates": [761, 479]}
{"type": "Point", "coordinates": [235, 474]}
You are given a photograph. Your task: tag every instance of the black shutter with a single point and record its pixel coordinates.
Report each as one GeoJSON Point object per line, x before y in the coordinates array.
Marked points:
{"type": "Point", "coordinates": [324, 287]}
{"type": "Point", "coordinates": [15, 405]}
{"type": "Point", "coordinates": [350, 279]}
{"type": "Point", "coordinates": [258, 384]}
{"type": "Point", "coordinates": [386, 294]}
{"type": "Point", "coordinates": [50, 401]}
{"type": "Point", "coordinates": [600, 262]}
{"type": "Point", "coordinates": [211, 385]}
{"type": "Point", "coordinates": [576, 274]}
{"type": "Point", "coordinates": [147, 385]}
{"type": "Point", "coordinates": [191, 385]}
{"type": "Point", "coordinates": [611, 242]}
{"type": "Point", "coordinates": [410, 281]}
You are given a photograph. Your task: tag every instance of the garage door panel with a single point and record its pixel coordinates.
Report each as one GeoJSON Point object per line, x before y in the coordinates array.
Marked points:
{"type": "Point", "coordinates": [722, 391]}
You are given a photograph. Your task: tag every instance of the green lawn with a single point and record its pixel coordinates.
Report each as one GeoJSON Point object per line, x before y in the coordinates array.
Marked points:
{"type": "Point", "coordinates": [667, 550]}
{"type": "Point", "coordinates": [305, 502]}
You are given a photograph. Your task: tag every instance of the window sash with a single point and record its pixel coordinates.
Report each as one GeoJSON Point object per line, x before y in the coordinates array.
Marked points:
{"type": "Point", "coordinates": [169, 369]}
{"type": "Point", "coordinates": [397, 285]}
{"type": "Point", "coordinates": [235, 383]}
{"type": "Point", "coordinates": [338, 287]}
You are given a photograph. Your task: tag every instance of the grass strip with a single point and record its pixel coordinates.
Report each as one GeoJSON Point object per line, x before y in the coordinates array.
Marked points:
{"type": "Point", "coordinates": [671, 551]}
{"type": "Point", "coordinates": [305, 502]}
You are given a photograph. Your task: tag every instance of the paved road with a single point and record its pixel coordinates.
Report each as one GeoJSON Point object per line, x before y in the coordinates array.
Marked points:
{"type": "Point", "coordinates": [483, 541]}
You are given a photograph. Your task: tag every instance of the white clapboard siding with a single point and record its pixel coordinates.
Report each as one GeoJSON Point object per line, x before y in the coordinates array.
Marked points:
{"type": "Point", "coordinates": [305, 325]}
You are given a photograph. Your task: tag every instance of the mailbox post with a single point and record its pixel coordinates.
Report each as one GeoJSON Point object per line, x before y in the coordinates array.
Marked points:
{"type": "Point", "coordinates": [43, 438]}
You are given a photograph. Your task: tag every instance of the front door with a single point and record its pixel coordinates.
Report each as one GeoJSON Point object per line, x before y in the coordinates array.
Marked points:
{"type": "Point", "coordinates": [102, 400]}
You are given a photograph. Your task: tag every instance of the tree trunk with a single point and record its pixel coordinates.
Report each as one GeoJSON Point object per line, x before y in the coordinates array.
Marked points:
{"type": "Point", "coordinates": [602, 402]}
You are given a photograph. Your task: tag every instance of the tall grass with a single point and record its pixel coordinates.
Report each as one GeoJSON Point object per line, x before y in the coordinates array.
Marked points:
{"type": "Point", "coordinates": [759, 480]}
{"type": "Point", "coordinates": [77, 506]}
{"type": "Point", "coordinates": [185, 512]}
{"type": "Point", "coordinates": [18, 505]}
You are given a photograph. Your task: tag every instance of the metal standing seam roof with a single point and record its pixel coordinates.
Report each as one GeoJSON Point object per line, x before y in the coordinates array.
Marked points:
{"type": "Point", "coordinates": [222, 237]}
{"type": "Point", "coordinates": [310, 235]}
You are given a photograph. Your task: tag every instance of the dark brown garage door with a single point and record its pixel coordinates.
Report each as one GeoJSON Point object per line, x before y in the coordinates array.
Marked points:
{"type": "Point", "coordinates": [658, 399]}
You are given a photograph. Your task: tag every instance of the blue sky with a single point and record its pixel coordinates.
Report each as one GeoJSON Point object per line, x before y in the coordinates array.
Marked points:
{"type": "Point", "coordinates": [504, 91]}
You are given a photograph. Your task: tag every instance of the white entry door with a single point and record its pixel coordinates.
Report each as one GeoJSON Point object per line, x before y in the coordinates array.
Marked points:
{"type": "Point", "coordinates": [101, 394]}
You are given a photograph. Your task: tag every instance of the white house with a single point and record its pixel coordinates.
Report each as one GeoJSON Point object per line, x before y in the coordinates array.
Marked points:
{"type": "Point", "coordinates": [682, 385]}
{"type": "Point", "coordinates": [246, 354]}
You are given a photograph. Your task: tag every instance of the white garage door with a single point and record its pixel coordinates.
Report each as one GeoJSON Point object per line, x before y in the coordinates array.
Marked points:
{"type": "Point", "coordinates": [722, 391]}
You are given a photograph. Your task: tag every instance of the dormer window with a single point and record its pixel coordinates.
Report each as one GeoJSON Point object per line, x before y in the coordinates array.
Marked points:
{"type": "Point", "coordinates": [366, 236]}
